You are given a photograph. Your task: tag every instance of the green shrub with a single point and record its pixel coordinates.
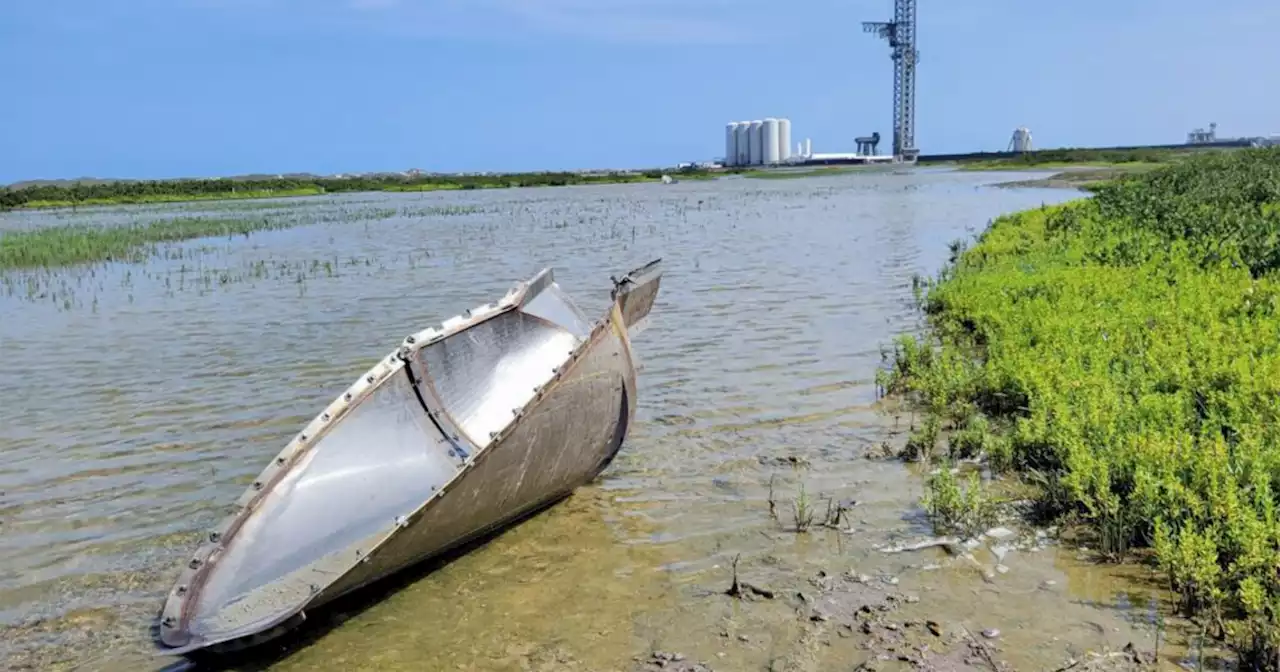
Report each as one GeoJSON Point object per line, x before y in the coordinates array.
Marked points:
{"type": "Point", "coordinates": [1125, 350]}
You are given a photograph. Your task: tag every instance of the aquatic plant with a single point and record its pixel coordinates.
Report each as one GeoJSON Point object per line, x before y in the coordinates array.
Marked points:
{"type": "Point", "coordinates": [1124, 351]}
{"type": "Point", "coordinates": [954, 509]}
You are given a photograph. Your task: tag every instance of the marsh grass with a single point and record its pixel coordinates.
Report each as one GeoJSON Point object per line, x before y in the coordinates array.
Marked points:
{"type": "Point", "coordinates": [955, 508]}
{"type": "Point", "coordinates": [80, 243]}
{"type": "Point", "coordinates": [1124, 352]}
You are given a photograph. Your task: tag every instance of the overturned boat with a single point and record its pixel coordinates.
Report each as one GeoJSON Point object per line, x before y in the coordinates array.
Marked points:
{"type": "Point", "coordinates": [460, 431]}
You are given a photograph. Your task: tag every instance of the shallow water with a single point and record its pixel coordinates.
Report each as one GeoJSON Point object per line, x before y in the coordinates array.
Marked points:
{"type": "Point", "coordinates": [144, 398]}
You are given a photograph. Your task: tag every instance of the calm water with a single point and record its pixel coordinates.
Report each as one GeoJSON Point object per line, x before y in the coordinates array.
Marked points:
{"type": "Point", "coordinates": [142, 399]}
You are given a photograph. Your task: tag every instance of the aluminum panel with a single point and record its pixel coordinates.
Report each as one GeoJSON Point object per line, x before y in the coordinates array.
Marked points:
{"type": "Point", "coordinates": [483, 374]}
{"type": "Point", "coordinates": [463, 429]}
{"type": "Point", "coordinates": [562, 440]}
{"type": "Point", "coordinates": [553, 305]}
{"type": "Point", "coordinates": [376, 465]}
{"type": "Point", "coordinates": [636, 292]}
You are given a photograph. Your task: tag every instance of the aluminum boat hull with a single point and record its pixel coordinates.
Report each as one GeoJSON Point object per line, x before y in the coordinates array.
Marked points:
{"type": "Point", "coordinates": [462, 430]}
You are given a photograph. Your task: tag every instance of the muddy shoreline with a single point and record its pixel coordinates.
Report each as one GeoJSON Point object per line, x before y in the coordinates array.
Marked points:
{"type": "Point", "coordinates": [105, 506]}
{"type": "Point", "coordinates": [1081, 177]}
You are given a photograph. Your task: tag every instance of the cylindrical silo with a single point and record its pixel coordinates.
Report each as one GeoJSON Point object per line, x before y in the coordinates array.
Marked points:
{"type": "Point", "coordinates": [755, 141]}
{"type": "Point", "coordinates": [731, 143]}
{"type": "Point", "coordinates": [784, 139]}
{"type": "Point", "coordinates": [770, 156]}
{"type": "Point", "coordinates": [743, 144]}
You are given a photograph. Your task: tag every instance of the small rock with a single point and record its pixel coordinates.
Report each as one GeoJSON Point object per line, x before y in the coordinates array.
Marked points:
{"type": "Point", "coordinates": [891, 627]}
{"type": "Point", "coordinates": [934, 627]}
{"type": "Point", "coordinates": [1047, 584]}
{"type": "Point", "coordinates": [991, 633]}
{"type": "Point", "coordinates": [1041, 534]}
{"type": "Point", "coordinates": [912, 599]}
{"type": "Point", "coordinates": [1000, 551]}
{"type": "Point", "coordinates": [1002, 569]}
{"type": "Point", "coordinates": [891, 580]}
{"type": "Point", "coordinates": [743, 638]}
{"type": "Point", "coordinates": [819, 616]}
{"type": "Point", "coordinates": [1000, 533]}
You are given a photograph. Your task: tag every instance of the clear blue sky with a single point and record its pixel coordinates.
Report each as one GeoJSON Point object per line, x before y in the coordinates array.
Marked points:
{"type": "Point", "coordinates": [164, 88]}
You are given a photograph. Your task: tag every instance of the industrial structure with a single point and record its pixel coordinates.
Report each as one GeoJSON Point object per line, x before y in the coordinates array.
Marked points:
{"type": "Point", "coordinates": [1200, 136]}
{"type": "Point", "coordinates": [869, 145]}
{"type": "Point", "coordinates": [901, 34]}
{"type": "Point", "coordinates": [1021, 140]}
{"type": "Point", "coordinates": [763, 142]}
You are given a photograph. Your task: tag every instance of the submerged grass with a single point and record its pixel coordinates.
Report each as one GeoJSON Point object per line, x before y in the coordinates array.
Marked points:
{"type": "Point", "coordinates": [80, 243]}
{"type": "Point", "coordinates": [1124, 352]}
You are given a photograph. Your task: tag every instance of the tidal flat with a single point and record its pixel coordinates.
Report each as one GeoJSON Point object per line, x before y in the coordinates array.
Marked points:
{"type": "Point", "coordinates": [152, 388]}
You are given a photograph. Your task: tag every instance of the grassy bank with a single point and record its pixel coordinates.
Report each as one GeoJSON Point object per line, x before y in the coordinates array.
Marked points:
{"type": "Point", "coordinates": [1063, 158]}
{"type": "Point", "coordinates": [170, 198]}
{"type": "Point", "coordinates": [1084, 177]}
{"type": "Point", "coordinates": [1124, 353]}
{"type": "Point", "coordinates": [170, 191]}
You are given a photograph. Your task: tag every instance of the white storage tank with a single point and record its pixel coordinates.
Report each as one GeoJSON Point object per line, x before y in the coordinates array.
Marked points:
{"type": "Point", "coordinates": [743, 144]}
{"type": "Point", "coordinates": [784, 140]}
{"type": "Point", "coordinates": [770, 154]}
{"type": "Point", "coordinates": [731, 143]}
{"type": "Point", "coordinates": [755, 142]}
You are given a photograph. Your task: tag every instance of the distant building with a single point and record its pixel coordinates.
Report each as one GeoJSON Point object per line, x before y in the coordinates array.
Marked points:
{"type": "Point", "coordinates": [1200, 136]}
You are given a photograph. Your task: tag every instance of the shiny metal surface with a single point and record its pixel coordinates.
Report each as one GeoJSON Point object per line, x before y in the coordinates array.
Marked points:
{"type": "Point", "coordinates": [636, 291]}
{"type": "Point", "coordinates": [561, 440]}
{"type": "Point", "coordinates": [554, 306]}
{"type": "Point", "coordinates": [483, 374]}
{"type": "Point", "coordinates": [380, 463]}
{"type": "Point", "coordinates": [464, 428]}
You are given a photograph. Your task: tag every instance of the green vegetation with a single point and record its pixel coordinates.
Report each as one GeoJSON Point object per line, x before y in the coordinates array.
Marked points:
{"type": "Point", "coordinates": [55, 246]}
{"type": "Point", "coordinates": [1123, 352]}
{"type": "Point", "coordinates": [74, 244]}
{"type": "Point", "coordinates": [112, 193]}
{"type": "Point", "coordinates": [167, 198]}
{"type": "Point", "coordinates": [954, 509]}
{"type": "Point", "coordinates": [1062, 158]}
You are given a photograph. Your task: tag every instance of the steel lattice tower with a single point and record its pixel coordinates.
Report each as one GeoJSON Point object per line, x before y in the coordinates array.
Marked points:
{"type": "Point", "coordinates": [901, 34]}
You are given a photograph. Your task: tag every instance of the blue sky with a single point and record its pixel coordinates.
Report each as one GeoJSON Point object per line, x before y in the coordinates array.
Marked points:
{"type": "Point", "coordinates": [166, 88]}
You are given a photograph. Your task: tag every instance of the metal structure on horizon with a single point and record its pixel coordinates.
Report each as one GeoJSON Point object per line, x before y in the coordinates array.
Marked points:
{"type": "Point", "coordinates": [901, 34]}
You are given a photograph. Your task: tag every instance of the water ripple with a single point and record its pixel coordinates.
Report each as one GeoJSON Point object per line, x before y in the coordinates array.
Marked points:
{"type": "Point", "coordinates": [144, 398]}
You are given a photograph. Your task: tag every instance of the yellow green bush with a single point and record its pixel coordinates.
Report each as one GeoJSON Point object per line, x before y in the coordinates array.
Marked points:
{"type": "Point", "coordinates": [1125, 349]}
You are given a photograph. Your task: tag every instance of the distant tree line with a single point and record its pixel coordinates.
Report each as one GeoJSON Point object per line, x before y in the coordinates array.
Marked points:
{"type": "Point", "coordinates": [142, 191]}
